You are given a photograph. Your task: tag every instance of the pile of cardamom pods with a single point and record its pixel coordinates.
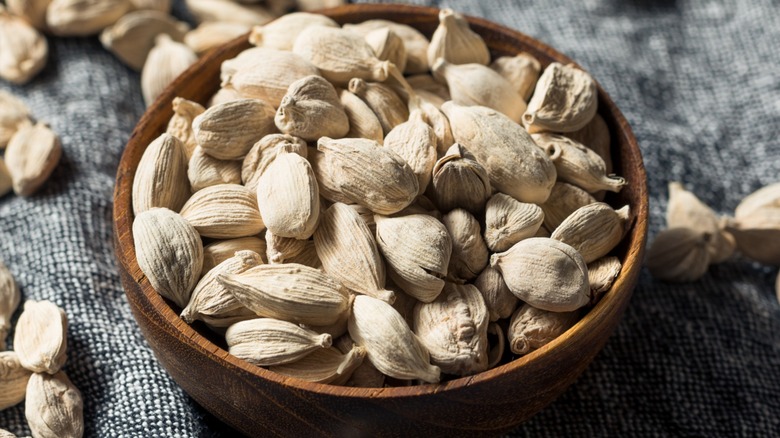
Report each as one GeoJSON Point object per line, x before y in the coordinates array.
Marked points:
{"type": "Point", "coordinates": [361, 206]}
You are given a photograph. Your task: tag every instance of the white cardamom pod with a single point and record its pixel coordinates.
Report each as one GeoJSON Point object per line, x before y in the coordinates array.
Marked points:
{"type": "Point", "coordinates": [388, 46]}
{"type": "Point", "coordinates": [83, 17]}
{"type": "Point", "coordinates": [454, 41]}
{"type": "Point", "coordinates": [263, 154]}
{"type": "Point", "coordinates": [563, 201]}
{"type": "Point", "coordinates": [523, 171]}
{"type": "Point", "coordinates": [429, 86]}
{"type": "Point", "coordinates": [224, 211]}
{"type": "Point", "coordinates": [221, 250]}
{"type": "Point", "coordinates": [601, 274]}
{"type": "Point", "coordinates": [593, 230]}
{"type": "Point", "coordinates": [500, 301]}
{"type": "Point", "coordinates": [326, 365]}
{"type": "Point", "coordinates": [595, 135]}
{"type": "Point", "coordinates": [211, 35]}
{"type": "Point", "coordinates": [180, 125]}
{"type": "Point", "coordinates": [437, 121]}
{"type": "Point", "coordinates": [686, 210]}
{"type": "Point", "coordinates": [41, 338]}
{"type": "Point", "coordinates": [13, 380]}
{"type": "Point", "coordinates": [269, 341]}
{"type": "Point", "coordinates": [363, 123]}
{"type": "Point", "coordinates": [391, 345]}
{"type": "Point", "coordinates": [23, 50]}
{"type": "Point", "coordinates": [415, 43]}
{"type": "Point", "coordinates": [161, 177]}
{"type": "Point", "coordinates": [31, 156]}
{"type": "Point", "coordinates": [327, 173]}
{"type": "Point", "coordinates": [508, 221]}
{"type": "Point", "coordinates": [291, 292]}
{"type": "Point", "coordinates": [758, 235]}
{"type": "Point", "coordinates": [220, 10]}
{"type": "Point", "coordinates": [206, 171]}
{"type": "Point", "coordinates": [453, 328]}
{"type": "Point", "coordinates": [132, 36]}
{"type": "Point", "coordinates": [220, 323]}
{"type": "Point", "coordinates": [417, 249]}
{"type": "Point", "coordinates": [13, 114]}
{"type": "Point", "coordinates": [679, 255]}
{"type": "Point", "coordinates": [477, 84]}
{"type": "Point", "coordinates": [521, 70]}
{"type": "Point", "coordinates": [34, 11]}
{"type": "Point", "coordinates": [165, 61]}
{"type": "Point", "coordinates": [53, 407]}
{"type": "Point", "coordinates": [282, 249]}
{"type": "Point", "coordinates": [469, 252]}
{"type": "Point", "coordinates": [229, 130]}
{"type": "Point", "coordinates": [389, 108]}
{"type": "Point", "coordinates": [307, 257]}
{"type": "Point", "coordinates": [9, 301]}
{"type": "Point", "coordinates": [531, 328]}
{"type": "Point", "coordinates": [545, 273]}
{"type": "Point", "coordinates": [565, 100]}
{"type": "Point", "coordinates": [281, 33]}
{"type": "Point", "coordinates": [767, 196]}
{"type": "Point", "coordinates": [311, 109]}
{"type": "Point", "coordinates": [415, 142]}
{"type": "Point", "coordinates": [340, 55]}
{"type": "Point", "coordinates": [459, 181]}
{"type": "Point", "coordinates": [223, 95]}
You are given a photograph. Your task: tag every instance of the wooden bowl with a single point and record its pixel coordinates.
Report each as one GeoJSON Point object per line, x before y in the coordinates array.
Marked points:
{"type": "Point", "coordinates": [258, 402]}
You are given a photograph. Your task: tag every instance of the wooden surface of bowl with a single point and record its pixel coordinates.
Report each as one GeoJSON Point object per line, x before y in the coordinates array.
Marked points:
{"type": "Point", "coordinates": [258, 402]}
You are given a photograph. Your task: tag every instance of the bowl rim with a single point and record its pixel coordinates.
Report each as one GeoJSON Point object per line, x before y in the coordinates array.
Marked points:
{"type": "Point", "coordinates": [636, 235]}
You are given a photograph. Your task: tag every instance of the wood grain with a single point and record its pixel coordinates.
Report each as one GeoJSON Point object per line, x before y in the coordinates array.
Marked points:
{"type": "Point", "coordinates": [261, 403]}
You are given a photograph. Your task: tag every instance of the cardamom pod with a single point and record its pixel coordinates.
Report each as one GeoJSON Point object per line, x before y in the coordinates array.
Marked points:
{"type": "Point", "coordinates": [54, 407]}
{"type": "Point", "coordinates": [440, 125]}
{"type": "Point", "coordinates": [767, 196]}
{"type": "Point", "coordinates": [268, 341]}
{"type": "Point", "coordinates": [41, 338]}
{"type": "Point", "coordinates": [595, 135]}
{"type": "Point", "coordinates": [686, 210]}
{"type": "Point", "coordinates": [281, 33]}
{"type": "Point", "coordinates": [13, 114]}
{"type": "Point", "coordinates": [206, 171]}
{"type": "Point", "coordinates": [521, 70]}
{"type": "Point", "coordinates": [469, 252]}
{"type": "Point", "coordinates": [31, 156]}
{"type": "Point", "coordinates": [679, 255]}
{"type": "Point", "coordinates": [264, 152]}
{"type": "Point", "coordinates": [33, 11]}
{"type": "Point", "coordinates": [593, 230]}
{"type": "Point", "coordinates": [415, 43]}
{"type": "Point", "coordinates": [454, 41]}
{"type": "Point", "coordinates": [459, 181]}
{"type": "Point", "coordinates": [161, 177]}
{"type": "Point", "coordinates": [9, 301]}
{"type": "Point", "coordinates": [165, 61]}
{"type": "Point", "coordinates": [531, 328]}
{"type": "Point", "coordinates": [211, 35]}
{"type": "Point", "coordinates": [13, 380]}
{"type": "Point", "coordinates": [758, 235]}
{"type": "Point", "coordinates": [23, 50]}
{"type": "Point", "coordinates": [229, 130]}
{"type": "Point", "coordinates": [326, 365]}
{"type": "Point", "coordinates": [500, 301]}
{"type": "Point", "coordinates": [565, 100]}
{"type": "Point", "coordinates": [563, 201]}
{"type": "Point", "coordinates": [223, 95]}
{"type": "Point", "coordinates": [601, 274]}
{"type": "Point", "coordinates": [415, 142]}
{"type": "Point", "coordinates": [133, 35]}
{"type": "Point", "coordinates": [388, 46]}
{"type": "Point", "coordinates": [221, 250]}
{"type": "Point", "coordinates": [428, 84]}
{"type": "Point", "coordinates": [390, 344]}
{"type": "Point", "coordinates": [281, 249]}
{"type": "Point", "coordinates": [545, 273]}
{"type": "Point", "coordinates": [180, 125]}
{"type": "Point", "coordinates": [157, 5]}
{"type": "Point", "coordinates": [307, 257]}
{"type": "Point", "coordinates": [311, 109]}
{"type": "Point", "coordinates": [83, 17]}
{"type": "Point", "coordinates": [224, 211]}
{"type": "Point", "coordinates": [388, 107]}
{"type": "Point", "coordinates": [220, 10]}
{"type": "Point", "coordinates": [363, 123]}
{"type": "Point", "coordinates": [508, 221]}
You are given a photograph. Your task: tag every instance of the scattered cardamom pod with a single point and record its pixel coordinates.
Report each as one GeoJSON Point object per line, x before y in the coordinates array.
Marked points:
{"type": "Point", "coordinates": [459, 181]}
{"type": "Point", "coordinates": [679, 255]}
{"type": "Point", "coordinates": [210, 35]}
{"type": "Point", "coordinates": [83, 17]}
{"type": "Point", "coordinates": [23, 50]}
{"type": "Point", "coordinates": [326, 365]}
{"type": "Point", "coordinates": [686, 210]}
{"type": "Point", "coordinates": [269, 341]}
{"type": "Point", "coordinates": [165, 61]}
{"type": "Point", "coordinates": [206, 171]}
{"type": "Point", "coordinates": [500, 301]}
{"type": "Point", "coordinates": [161, 177]}
{"type": "Point", "coordinates": [31, 156]}
{"type": "Point", "coordinates": [415, 43]}
{"type": "Point", "coordinates": [41, 338]}
{"type": "Point", "coordinates": [508, 221]}
{"type": "Point", "coordinates": [221, 10]}
{"type": "Point", "coordinates": [415, 142]}
{"type": "Point", "coordinates": [9, 301]}
{"type": "Point", "coordinates": [564, 199]}
{"type": "Point", "coordinates": [767, 196]}
{"type": "Point", "coordinates": [264, 152]}
{"type": "Point", "coordinates": [54, 407]}
{"type": "Point", "coordinates": [388, 46]}
{"type": "Point", "coordinates": [454, 41]}
{"type": "Point", "coordinates": [180, 125]}
{"type": "Point", "coordinates": [13, 115]}
{"type": "Point", "coordinates": [758, 235]}
{"type": "Point", "coordinates": [221, 250]}
{"type": "Point", "coordinates": [13, 380]}
{"type": "Point", "coordinates": [281, 33]}
{"type": "Point", "coordinates": [565, 100]}
{"type": "Point", "coordinates": [363, 123]}
{"type": "Point", "coordinates": [469, 252]}
{"type": "Point", "coordinates": [132, 37]}
{"type": "Point", "coordinates": [601, 274]}
{"type": "Point", "coordinates": [388, 107]}
{"type": "Point", "coordinates": [593, 230]}
{"type": "Point", "coordinates": [311, 109]}
{"type": "Point", "coordinates": [229, 130]}
{"type": "Point", "coordinates": [531, 328]}
{"type": "Point", "coordinates": [224, 211]}
{"type": "Point", "coordinates": [595, 135]}
{"type": "Point", "coordinates": [521, 70]}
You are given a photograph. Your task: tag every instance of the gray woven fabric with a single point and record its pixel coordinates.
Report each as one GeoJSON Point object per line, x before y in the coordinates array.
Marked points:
{"type": "Point", "coordinates": [697, 80]}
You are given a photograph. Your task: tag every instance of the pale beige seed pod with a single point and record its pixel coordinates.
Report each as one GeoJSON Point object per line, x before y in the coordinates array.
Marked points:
{"type": "Point", "coordinates": [521, 70]}
{"type": "Point", "coordinates": [34, 11]}
{"type": "Point", "coordinates": [369, 174]}
{"type": "Point", "coordinates": [311, 109]}
{"type": "Point", "coordinates": [13, 114]}
{"type": "Point", "coordinates": [13, 380]}
{"type": "Point", "coordinates": [9, 301]}
{"type": "Point", "coordinates": [282, 249]}
{"type": "Point", "coordinates": [454, 41]}
{"type": "Point", "coordinates": [459, 181]}
{"type": "Point", "coordinates": [577, 164]}
{"type": "Point", "coordinates": [224, 211]}
{"type": "Point", "coordinates": [417, 249]}
{"type": "Point", "coordinates": [223, 95]}
{"type": "Point", "coordinates": [593, 230]}
{"type": "Point", "coordinates": [269, 341]}
{"type": "Point", "coordinates": [365, 375]}
{"type": "Point", "coordinates": [767, 196]}
{"type": "Point", "coordinates": [308, 256]}
{"type": "Point", "coordinates": [132, 37]}
{"type": "Point", "coordinates": [415, 142]}
{"type": "Point", "coordinates": [291, 292]}
{"type": "Point", "coordinates": [288, 197]}
{"type": "Point", "coordinates": [438, 122]}
{"type": "Point", "coordinates": [595, 135]}
{"type": "Point", "coordinates": [349, 253]}
{"type": "Point", "coordinates": [221, 10]}
{"type": "Point", "coordinates": [340, 55]}
{"type": "Point", "coordinates": [221, 250]}
{"type": "Point", "coordinates": [453, 328]}
{"type": "Point", "coordinates": [54, 407]}
{"type": "Point", "coordinates": [83, 17]}
{"type": "Point", "coordinates": [161, 177]}
{"type": "Point", "coordinates": [23, 50]}
{"type": "Point", "coordinates": [602, 274]}
{"type": "Point", "coordinates": [531, 328]}
{"type": "Point", "coordinates": [415, 43]}
{"type": "Point", "coordinates": [564, 199]}
{"type": "Point", "coordinates": [327, 173]}
{"type": "Point", "coordinates": [678, 255]}
{"type": "Point", "coordinates": [388, 46]}
{"type": "Point", "coordinates": [545, 273]}
{"type": "Point", "coordinates": [180, 125]}
{"type": "Point", "coordinates": [389, 108]}
{"type": "Point", "coordinates": [169, 253]}
{"type": "Point", "coordinates": [363, 123]}
{"type": "Point", "coordinates": [210, 298]}
{"type": "Point", "coordinates": [469, 252]}
{"type": "Point", "coordinates": [327, 365]}
{"type": "Point", "coordinates": [40, 338]}
{"type": "Point", "coordinates": [206, 171]}
{"type": "Point", "coordinates": [508, 221]}
{"type": "Point", "coordinates": [686, 210]}
{"type": "Point", "coordinates": [523, 171]}
{"type": "Point", "coordinates": [228, 131]}
{"type": "Point", "coordinates": [391, 345]}
{"type": "Point", "coordinates": [477, 84]}
{"type": "Point", "coordinates": [265, 74]}
{"type": "Point", "coordinates": [427, 84]}
{"type": "Point", "coordinates": [281, 33]}
{"type": "Point", "coordinates": [31, 156]}
{"type": "Point", "coordinates": [263, 154]}
{"type": "Point", "coordinates": [565, 100]}
{"type": "Point", "coordinates": [758, 235]}
{"type": "Point", "coordinates": [165, 61]}
{"type": "Point", "coordinates": [500, 301]}
{"type": "Point", "coordinates": [210, 35]}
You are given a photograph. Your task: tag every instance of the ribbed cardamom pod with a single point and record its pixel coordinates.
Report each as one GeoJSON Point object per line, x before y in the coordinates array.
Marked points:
{"type": "Point", "coordinates": [563, 201]}
{"type": "Point", "coordinates": [311, 109]}
{"type": "Point", "coordinates": [577, 164]}
{"type": "Point", "coordinates": [224, 211]}
{"type": "Point", "coordinates": [206, 171]}
{"type": "Point", "coordinates": [453, 328]}
{"type": "Point", "coordinates": [601, 274]}
{"type": "Point", "coordinates": [327, 365]}
{"type": "Point", "coordinates": [161, 177]}
{"type": "Point", "coordinates": [545, 273]}
{"type": "Point", "coordinates": [169, 253]}
{"type": "Point", "coordinates": [132, 36]}
{"type": "Point", "coordinates": [679, 255]}
{"type": "Point", "coordinates": [180, 125]}
{"type": "Point", "coordinates": [389, 108]}
{"type": "Point", "coordinates": [415, 142]}
{"type": "Point", "coordinates": [9, 301]}
{"type": "Point", "coordinates": [523, 172]}
{"type": "Point", "coordinates": [288, 196]}
{"type": "Point", "coordinates": [367, 174]}
{"type": "Point", "coordinates": [281, 33]}
{"type": "Point", "coordinates": [13, 114]}
{"type": "Point", "coordinates": [454, 41]}
{"type": "Point", "coordinates": [508, 221]}
{"type": "Point", "coordinates": [263, 154]}
{"type": "Point", "coordinates": [210, 297]}
{"type": "Point", "coordinates": [41, 338]}
{"type": "Point", "coordinates": [415, 43]}
{"type": "Point", "coordinates": [686, 210]}
{"type": "Point", "coordinates": [477, 84]}
{"type": "Point", "coordinates": [469, 252]}
{"type": "Point", "coordinates": [13, 379]}
{"type": "Point", "coordinates": [348, 252]}
{"type": "Point", "coordinates": [388, 46]}
{"type": "Point", "coordinates": [268, 341]}
{"type": "Point", "coordinates": [767, 196]}
{"type": "Point", "coordinates": [54, 407]}
{"type": "Point", "coordinates": [340, 55]}
{"type": "Point", "coordinates": [758, 235]}
{"type": "Point", "coordinates": [218, 10]}
{"type": "Point", "coordinates": [31, 156]}
{"type": "Point", "coordinates": [565, 100]}
{"type": "Point", "coordinates": [531, 328]}
{"type": "Point", "coordinates": [595, 135]}
{"type": "Point", "coordinates": [290, 292]}
{"type": "Point", "coordinates": [391, 346]}
{"type": "Point", "coordinates": [208, 36]}
{"type": "Point", "coordinates": [307, 257]}
{"type": "Point", "coordinates": [431, 88]}
{"type": "Point", "coordinates": [23, 50]}
{"type": "Point", "coordinates": [459, 181]}
{"type": "Point", "coordinates": [281, 249]}
{"type": "Point", "coordinates": [500, 301]}
{"type": "Point", "coordinates": [338, 328]}
{"type": "Point", "coordinates": [593, 230]}
{"type": "Point", "coordinates": [229, 130]}
{"type": "Point", "coordinates": [221, 250]}
{"type": "Point", "coordinates": [220, 323]}
{"type": "Point", "coordinates": [417, 249]}
{"type": "Point", "coordinates": [521, 70]}
{"type": "Point", "coordinates": [165, 62]}
{"type": "Point", "coordinates": [363, 123]}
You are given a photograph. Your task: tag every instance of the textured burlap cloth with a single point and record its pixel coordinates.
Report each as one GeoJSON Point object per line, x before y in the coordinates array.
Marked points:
{"type": "Point", "coordinates": [699, 82]}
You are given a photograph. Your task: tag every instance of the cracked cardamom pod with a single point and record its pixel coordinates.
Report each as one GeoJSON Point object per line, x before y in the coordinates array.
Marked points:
{"type": "Point", "coordinates": [53, 407]}
{"type": "Point", "coordinates": [13, 380]}
{"type": "Point", "coordinates": [388, 107]}
{"type": "Point", "coordinates": [531, 328]}
{"type": "Point", "coordinates": [13, 115]}
{"type": "Point", "coordinates": [415, 142]}
{"type": "Point", "coordinates": [23, 50]}
{"type": "Point", "coordinates": [565, 100]}
{"type": "Point", "coordinates": [269, 341]}
{"type": "Point", "coordinates": [206, 171]}
{"type": "Point", "coordinates": [679, 255]}
{"type": "Point", "coordinates": [9, 301]}
{"type": "Point", "coordinates": [415, 43]}
{"type": "Point", "coordinates": [311, 109]}
{"type": "Point", "coordinates": [83, 17]}
{"type": "Point", "coordinates": [363, 123]}
{"type": "Point", "coordinates": [41, 338]}
{"type": "Point", "coordinates": [758, 235]}
{"type": "Point", "coordinates": [31, 156]}
{"type": "Point", "coordinates": [390, 344]}
{"type": "Point", "coordinates": [595, 135]}
{"type": "Point", "coordinates": [459, 181]}
{"type": "Point", "coordinates": [593, 230]}
{"type": "Point", "coordinates": [166, 61]}
{"type": "Point", "coordinates": [281, 33]}
{"type": "Point", "coordinates": [180, 125]}
{"type": "Point", "coordinates": [564, 199]}
{"type": "Point", "coordinates": [229, 130]}
{"type": "Point", "coordinates": [686, 210]}
{"type": "Point", "coordinates": [133, 35]}
{"type": "Point", "coordinates": [521, 70]}
{"type": "Point", "coordinates": [211, 35]}
{"type": "Point", "coordinates": [508, 221]}
{"type": "Point", "coordinates": [601, 274]}
{"type": "Point", "coordinates": [220, 10]}
{"type": "Point", "coordinates": [221, 250]}
{"type": "Point", "coordinates": [161, 177]}
{"type": "Point", "coordinates": [454, 41]}
{"type": "Point", "coordinates": [469, 252]}
{"type": "Point", "coordinates": [263, 154]}
{"type": "Point", "coordinates": [500, 301]}
{"type": "Point", "coordinates": [388, 46]}
{"type": "Point", "coordinates": [326, 365]}
{"type": "Point", "coordinates": [224, 211]}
